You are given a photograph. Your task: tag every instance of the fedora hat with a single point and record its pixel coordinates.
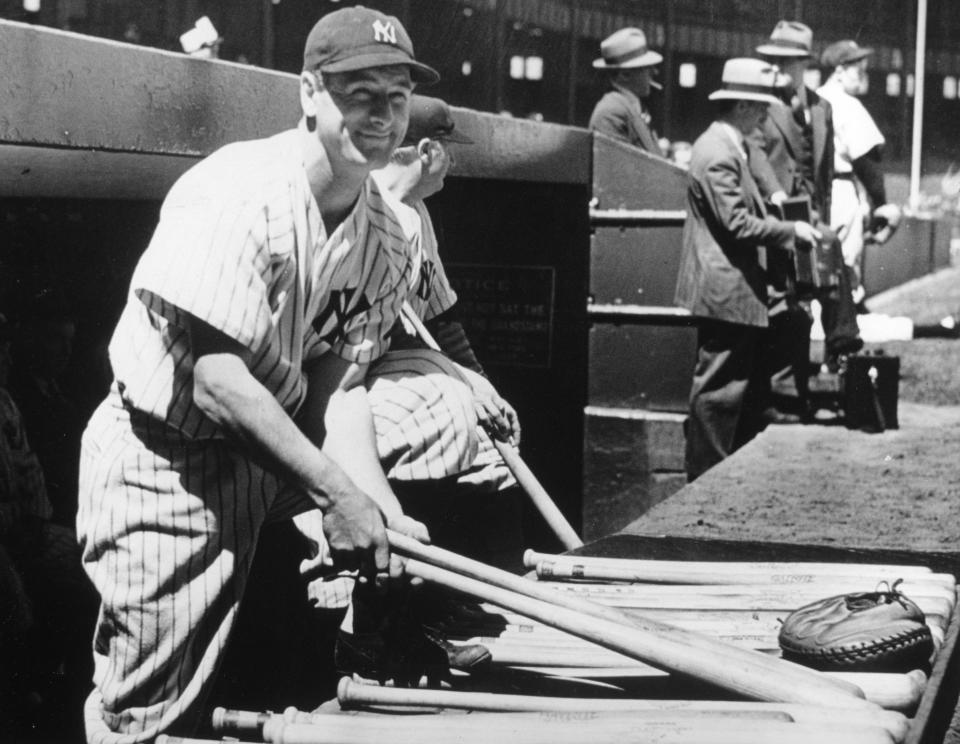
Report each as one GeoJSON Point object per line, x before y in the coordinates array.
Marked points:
{"type": "Point", "coordinates": [843, 53]}
{"type": "Point", "coordinates": [624, 49]}
{"type": "Point", "coordinates": [747, 79]}
{"type": "Point", "coordinates": [789, 39]}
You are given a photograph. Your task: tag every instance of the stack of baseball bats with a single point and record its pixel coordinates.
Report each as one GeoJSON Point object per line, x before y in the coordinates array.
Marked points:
{"type": "Point", "coordinates": [676, 622]}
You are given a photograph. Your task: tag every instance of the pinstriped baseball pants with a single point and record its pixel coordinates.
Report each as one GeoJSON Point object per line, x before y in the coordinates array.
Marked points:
{"type": "Point", "coordinates": [168, 529]}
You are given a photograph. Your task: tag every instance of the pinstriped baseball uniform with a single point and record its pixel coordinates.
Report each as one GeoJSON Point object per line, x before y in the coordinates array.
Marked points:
{"type": "Point", "coordinates": [423, 412]}
{"type": "Point", "coordinates": [169, 509]}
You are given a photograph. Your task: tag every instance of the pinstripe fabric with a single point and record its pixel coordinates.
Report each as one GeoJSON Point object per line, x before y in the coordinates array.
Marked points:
{"type": "Point", "coordinates": [423, 415]}
{"type": "Point", "coordinates": [169, 512]}
{"type": "Point", "coordinates": [432, 294]}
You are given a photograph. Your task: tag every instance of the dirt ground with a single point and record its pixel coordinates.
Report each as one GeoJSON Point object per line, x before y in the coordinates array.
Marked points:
{"type": "Point", "coordinates": [827, 485]}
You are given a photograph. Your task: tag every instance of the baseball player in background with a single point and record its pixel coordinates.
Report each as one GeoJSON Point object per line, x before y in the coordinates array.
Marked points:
{"type": "Point", "coordinates": [271, 282]}
{"type": "Point", "coordinates": [421, 399]}
{"type": "Point", "coordinates": [427, 406]}
{"type": "Point", "coordinates": [858, 144]}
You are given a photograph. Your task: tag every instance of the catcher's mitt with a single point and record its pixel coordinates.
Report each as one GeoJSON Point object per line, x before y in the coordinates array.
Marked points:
{"type": "Point", "coordinates": [880, 631]}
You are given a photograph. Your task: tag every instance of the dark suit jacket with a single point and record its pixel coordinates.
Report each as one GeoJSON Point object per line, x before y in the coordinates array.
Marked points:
{"type": "Point", "coordinates": [724, 237]}
{"type": "Point", "coordinates": [616, 116]}
{"type": "Point", "coordinates": [780, 138]}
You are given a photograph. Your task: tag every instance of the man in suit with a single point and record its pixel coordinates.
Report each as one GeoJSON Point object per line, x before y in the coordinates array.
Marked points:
{"type": "Point", "coordinates": [798, 141]}
{"type": "Point", "coordinates": [728, 238]}
{"type": "Point", "coordinates": [629, 66]}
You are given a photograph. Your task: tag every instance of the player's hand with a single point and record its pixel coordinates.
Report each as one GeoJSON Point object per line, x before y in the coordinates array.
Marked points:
{"type": "Point", "coordinates": [778, 197]}
{"type": "Point", "coordinates": [409, 527]}
{"type": "Point", "coordinates": [357, 536]}
{"type": "Point", "coordinates": [806, 234]}
{"type": "Point", "coordinates": [498, 417]}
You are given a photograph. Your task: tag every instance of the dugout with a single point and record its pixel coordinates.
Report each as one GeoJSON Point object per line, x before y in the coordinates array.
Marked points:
{"type": "Point", "coordinates": [95, 132]}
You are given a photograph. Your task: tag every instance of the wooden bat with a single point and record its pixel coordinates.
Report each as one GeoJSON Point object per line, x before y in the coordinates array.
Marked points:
{"type": "Point", "coordinates": [561, 728]}
{"type": "Point", "coordinates": [713, 569]}
{"type": "Point", "coordinates": [898, 692]}
{"type": "Point", "coordinates": [528, 481]}
{"type": "Point", "coordinates": [744, 597]}
{"type": "Point", "coordinates": [814, 591]}
{"type": "Point", "coordinates": [557, 570]}
{"type": "Point", "coordinates": [747, 673]}
{"type": "Point", "coordinates": [713, 623]}
{"type": "Point", "coordinates": [350, 694]}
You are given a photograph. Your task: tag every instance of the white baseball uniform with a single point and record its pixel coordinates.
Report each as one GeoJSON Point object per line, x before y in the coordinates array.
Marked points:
{"type": "Point", "coordinates": [423, 408]}
{"type": "Point", "coordinates": [854, 134]}
{"type": "Point", "coordinates": [169, 509]}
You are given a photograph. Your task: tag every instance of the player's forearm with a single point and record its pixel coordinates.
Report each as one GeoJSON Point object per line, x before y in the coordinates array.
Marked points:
{"type": "Point", "coordinates": [350, 441]}
{"type": "Point", "coordinates": [229, 395]}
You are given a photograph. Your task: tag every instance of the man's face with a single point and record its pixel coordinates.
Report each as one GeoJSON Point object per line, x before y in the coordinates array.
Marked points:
{"type": "Point", "coordinates": [754, 114]}
{"type": "Point", "coordinates": [362, 115]}
{"type": "Point", "coordinates": [794, 67]}
{"type": "Point", "coordinates": [853, 77]}
{"type": "Point", "coordinates": [637, 80]}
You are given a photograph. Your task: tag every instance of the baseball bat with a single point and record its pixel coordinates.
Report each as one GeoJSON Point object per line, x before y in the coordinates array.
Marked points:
{"type": "Point", "coordinates": [714, 570]}
{"type": "Point", "coordinates": [569, 570]}
{"type": "Point", "coordinates": [892, 691]}
{"type": "Point", "coordinates": [555, 519]}
{"type": "Point", "coordinates": [712, 623]}
{"type": "Point", "coordinates": [351, 694]}
{"type": "Point", "coordinates": [838, 585]}
{"type": "Point", "coordinates": [749, 673]}
{"type": "Point", "coordinates": [728, 667]}
{"type": "Point", "coordinates": [744, 597]}
{"type": "Point", "coordinates": [560, 728]}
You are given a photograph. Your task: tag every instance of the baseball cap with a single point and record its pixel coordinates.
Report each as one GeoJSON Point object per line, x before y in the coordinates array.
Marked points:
{"type": "Point", "coordinates": [431, 118]}
{"type": "Point", "coordinates": [843, 53]}
{"type": "Point", "coordinates": [358, 38]}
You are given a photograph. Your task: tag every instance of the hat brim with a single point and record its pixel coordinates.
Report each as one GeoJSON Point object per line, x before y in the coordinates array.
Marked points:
{"type": "Point", "coordinates": [861, 53]}
{"type": "Point", "coordinates": [738, 95]}
{"type": "Point", "coordinates": [647, 59]}
{"type": "Point", "coordinates": [419, 72]}
{"type": "Point", "coordinates": [772, 50]}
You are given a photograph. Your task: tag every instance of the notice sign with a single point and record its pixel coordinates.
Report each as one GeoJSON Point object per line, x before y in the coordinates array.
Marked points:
{"type": "Point", "coordinates": [507, 311]}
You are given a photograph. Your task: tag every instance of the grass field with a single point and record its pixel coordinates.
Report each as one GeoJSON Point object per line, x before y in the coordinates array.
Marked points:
{"type": "Point", "coordinates": [929, 368]}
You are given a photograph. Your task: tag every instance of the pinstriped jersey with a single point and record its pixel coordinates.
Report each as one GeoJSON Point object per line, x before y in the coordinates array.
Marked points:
{"type": "Point", "coordinates": [431, 293]}
{"type": "Point", "coordinates": [241, 245]}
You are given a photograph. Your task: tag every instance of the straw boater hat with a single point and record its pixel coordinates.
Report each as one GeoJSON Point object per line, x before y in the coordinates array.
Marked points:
{"type": "Point", "coordinates": [789, 39]}
{"type": "Point", "coordinates": [844, 53]}
{"type": "Point", "coordinates": [624, 49]}
{"type": "Point", "coordinates": [746, 79]}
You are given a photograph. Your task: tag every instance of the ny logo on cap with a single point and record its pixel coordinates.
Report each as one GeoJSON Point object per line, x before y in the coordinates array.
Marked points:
{"type": "Point", "coordinates": [384, 32]}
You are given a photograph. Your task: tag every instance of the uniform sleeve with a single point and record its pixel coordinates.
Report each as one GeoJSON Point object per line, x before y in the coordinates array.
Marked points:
{"type": "Point", "coordinates": [440, 296]}
{"type": "Point", "coordinates": [856, 129]}
{"type": "Point", "coordinates": [209, 259]}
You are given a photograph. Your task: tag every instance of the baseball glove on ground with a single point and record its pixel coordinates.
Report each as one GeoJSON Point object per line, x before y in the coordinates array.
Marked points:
{"type": "Point", "coordinates": [880, 631]}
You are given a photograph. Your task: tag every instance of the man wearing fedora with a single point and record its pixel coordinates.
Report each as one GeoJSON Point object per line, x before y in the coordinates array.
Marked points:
{"type": "Point", "coordinates": [629, 65]}
{"type": "Point", "coordinates": [858, 175]}
{"type": "Point", "coordinates": [797, 139]}
{"type": "Point", "coordinates": [728, 239]}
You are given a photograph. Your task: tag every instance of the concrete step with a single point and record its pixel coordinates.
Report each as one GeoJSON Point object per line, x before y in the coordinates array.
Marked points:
{"type": "Point", "coordinates": [633, 460]}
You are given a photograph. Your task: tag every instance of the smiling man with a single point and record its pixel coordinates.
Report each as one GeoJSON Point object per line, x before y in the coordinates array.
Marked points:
{"type": "Point", "coordinates": [275, 272]}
